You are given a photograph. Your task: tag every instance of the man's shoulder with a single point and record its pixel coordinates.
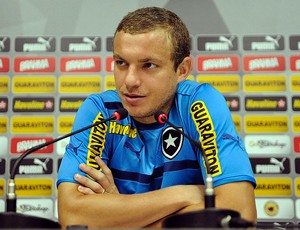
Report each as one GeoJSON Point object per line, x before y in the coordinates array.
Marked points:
{"type": "Point", "coordinates": [108, 99]}
{"type": "Point", "coordinates": [190, 87]}
{"type": "Point", "coordinates": [105, 96]}
{"type": "Point", "coordinates": [190, 91]}
{"type": "Point", "coordinates": [189, 83]}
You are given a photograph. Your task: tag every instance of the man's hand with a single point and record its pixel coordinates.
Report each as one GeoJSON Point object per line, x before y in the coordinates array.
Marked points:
{"type": "Point", "coordinates": [101, 182]}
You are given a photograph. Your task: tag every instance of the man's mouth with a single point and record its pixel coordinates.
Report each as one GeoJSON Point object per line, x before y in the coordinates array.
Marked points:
{"type": "Point", "coordinates": [133, 99]}
{"type": "Point", "coordinates": [132, 95]}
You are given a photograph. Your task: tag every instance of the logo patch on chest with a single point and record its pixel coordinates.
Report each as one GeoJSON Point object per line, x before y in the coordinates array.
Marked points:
{"type": "Point", "coordinates": [171, 142]}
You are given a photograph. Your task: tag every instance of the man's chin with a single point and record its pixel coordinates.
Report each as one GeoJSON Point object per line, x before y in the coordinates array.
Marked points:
{"type": "Point", "coordinates": [142, 116]}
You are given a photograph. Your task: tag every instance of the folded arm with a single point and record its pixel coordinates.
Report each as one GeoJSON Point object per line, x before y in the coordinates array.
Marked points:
{"type": "Point", "coordinates": [237, 196]}
{"type": "Point", "coordinates": [97, 203]}
{"type": "Point", "coordinates": [86, 204]}
{"type": "Point", "coordinates": [119, 210]}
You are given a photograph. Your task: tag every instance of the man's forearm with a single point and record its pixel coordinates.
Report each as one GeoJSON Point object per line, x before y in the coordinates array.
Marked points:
{"type": "Point", "coordinates": [117, 210]}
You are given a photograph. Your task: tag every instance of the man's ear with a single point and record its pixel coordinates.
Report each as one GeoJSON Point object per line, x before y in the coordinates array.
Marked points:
{"type": "Point", "coordinates": [184, 69]}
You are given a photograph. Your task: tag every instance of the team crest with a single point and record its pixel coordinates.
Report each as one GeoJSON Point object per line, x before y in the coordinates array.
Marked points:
{"type": "Point", "coordinates": [171, 142]}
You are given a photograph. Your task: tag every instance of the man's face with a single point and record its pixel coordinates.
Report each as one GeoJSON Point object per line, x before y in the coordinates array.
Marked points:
{"type": "Point", "coordinates": [144, 74]}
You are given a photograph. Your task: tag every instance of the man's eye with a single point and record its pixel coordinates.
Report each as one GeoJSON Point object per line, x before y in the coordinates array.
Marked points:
{"type": "Point", "coordinates": [149, 65]}
{"type": "Point", "coordinates": [120, 63]}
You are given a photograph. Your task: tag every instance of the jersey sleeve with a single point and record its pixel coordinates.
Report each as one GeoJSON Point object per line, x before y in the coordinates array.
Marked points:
{"type": "Point", "coordinates": [78, 150]}
{"type": "Point", "coordinates": [222, 145]}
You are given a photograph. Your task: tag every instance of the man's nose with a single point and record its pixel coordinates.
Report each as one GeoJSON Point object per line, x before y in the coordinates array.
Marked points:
{"type": "Point", "coordinates": [132, 77]}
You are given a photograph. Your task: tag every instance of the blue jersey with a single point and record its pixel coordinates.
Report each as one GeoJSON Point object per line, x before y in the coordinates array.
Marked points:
{"type": "Point", "coordinates": [146, 157]}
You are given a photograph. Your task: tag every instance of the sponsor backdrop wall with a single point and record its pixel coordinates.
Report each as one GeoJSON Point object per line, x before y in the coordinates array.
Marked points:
{"type": "Point", "coordinates": [54, 53]}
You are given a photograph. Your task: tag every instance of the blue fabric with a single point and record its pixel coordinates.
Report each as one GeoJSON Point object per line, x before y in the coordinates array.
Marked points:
{"type": "Point", "coordinates": [149, 157]}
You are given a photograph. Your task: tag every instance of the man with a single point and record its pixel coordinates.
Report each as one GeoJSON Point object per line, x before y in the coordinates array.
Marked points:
{"type": "Point", "coordinates": [136, 172]}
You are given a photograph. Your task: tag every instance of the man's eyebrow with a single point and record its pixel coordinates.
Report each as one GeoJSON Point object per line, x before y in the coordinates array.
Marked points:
{"type": "Point", "coordinates": [150, 59]}
{"type": "Point", "coordinates": [144, 60]}
{"type": "Point", "coordinates": [117, 56]}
